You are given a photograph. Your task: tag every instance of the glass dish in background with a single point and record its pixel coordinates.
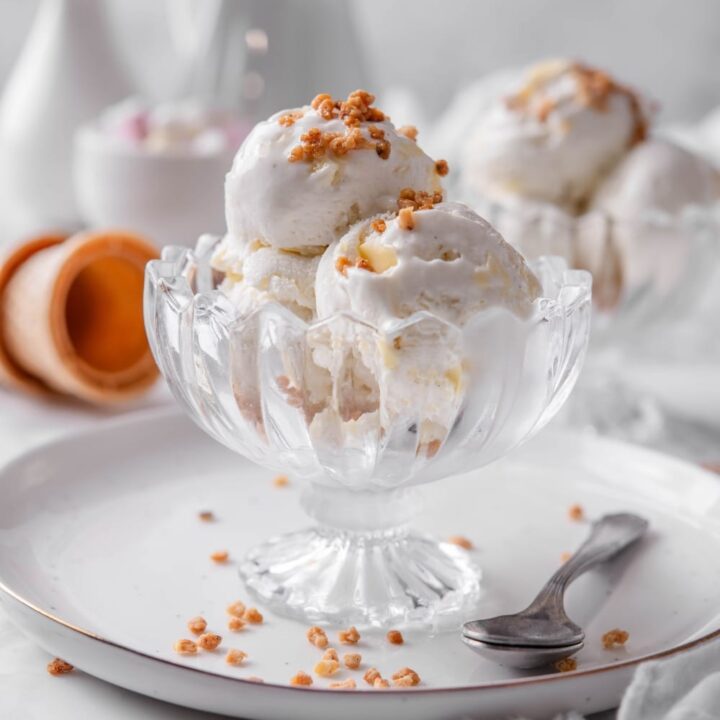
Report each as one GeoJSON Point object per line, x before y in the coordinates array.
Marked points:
{"type": "Point", "coordinates": [364, 435]}
{"type": "Point", "coordinates": [649, 272]}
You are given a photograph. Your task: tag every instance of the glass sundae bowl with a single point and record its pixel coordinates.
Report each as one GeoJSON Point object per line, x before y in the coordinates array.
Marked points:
{"type": "Point", "coordinates": [363, 415]}
{"type": "Point", "coordinates": [649, 273]}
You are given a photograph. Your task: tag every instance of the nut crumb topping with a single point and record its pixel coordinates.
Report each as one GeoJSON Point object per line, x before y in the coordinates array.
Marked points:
{"type": "Point", "coordinates": [301, 678]}
{"type": "Point", "coordinates": [326, 668]}
{"type": "Point", "coordinates": [235, 624]}
{"type": "Point", "coordinates": [220, 556]}
{"type": "Point", "coordinates": [60, 667]}
{"type": "Point", "coordinates": [235, 657]}
{"type": "Point", "coordinates": [330, 654]}
{"type": "Point", "coordinates": [418, 199]}
{"type": "Point", "coordinates": [254, 678]}
{"type": "Point", "coordinates": [206, 516]}
{"type": "Point", "coordinates": [253, 616]}
{"type": "Point", "coordinates": [409, 131]}
{"type": "Point", "coordinates": [395, 637]}
{"type": "Point", "coordinates": [442, 168]}
{"type": "Point", "coordinates": [406, 677]}
{"type": "Point", "coordinates": [281, 481]}
{"type": "Point", "coordinates": [317, 637]}
{"type": "Point", "coordinates": [289, 119]}
{"type": "Point", "coordinates": [379, 225]}
{"type": "Point", "coordinates": [565, 556]}
{"type": "Point", "coordinates": [371, 675]}
{"type": "Point", "coordinates": [197, 625]}
{"type": "Point", "coordinates": [342, 264]}
{"type": "Point", "coordinates": [348, 684]}
{"type": "Point", "coordinates": [349, 637]}
{"type": "Point", "coordinates": [460, 541]}
{"type": "Point", "coordinates": [352, 660]}
{"type": "Point", "coordinates": [576, 513]}
{"type": "Point", "coordinates": [615, 638]}
{"type": "Point", "coordinates": [356, 109]}
{"type": "Point", "coordinates": [185, 647]}
{"type": "Point", "coordinates": [209, 641]}
{"type": "Point", "coordinates": [380, 683]}
{"type": "Point", "coordinates": [236, 609]}
{"type": "Point", "coordinates": [566, 665]}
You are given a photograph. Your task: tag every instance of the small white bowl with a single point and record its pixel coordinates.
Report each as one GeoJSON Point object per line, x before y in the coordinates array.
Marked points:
{"type": "Point", "coordinates": [170, 197]}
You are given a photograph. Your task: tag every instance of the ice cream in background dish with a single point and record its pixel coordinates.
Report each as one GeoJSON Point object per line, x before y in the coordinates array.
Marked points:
{"type": "Point", "coordinates": [657, 175]}
{"type": "Point", "coordinates": [564, 163]}
{"type": "Point", "coordinates": [553, 135]}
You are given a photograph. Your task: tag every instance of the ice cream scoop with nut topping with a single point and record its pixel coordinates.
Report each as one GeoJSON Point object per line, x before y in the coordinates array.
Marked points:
{"type": "Point", "coordinates": [445, 260]}
{"type": "Point", "coordinates": [299, 181]}
{"type": "Point", "coordinates": [554, 135]}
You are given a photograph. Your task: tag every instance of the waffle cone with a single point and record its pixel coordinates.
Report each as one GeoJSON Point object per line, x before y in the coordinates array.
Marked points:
{"type": "Point", "coordinates": [71, 317]}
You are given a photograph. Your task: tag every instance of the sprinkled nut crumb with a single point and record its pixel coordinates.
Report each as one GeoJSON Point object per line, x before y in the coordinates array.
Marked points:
{"type": "Point", "coordinates": [564, 557]}
{"type": "Point", "coordinates": [220, 556]}
{"type": "Point", "coordinates": [615, 638]}
{"type": "Point", "coordinates": [185, 647]}
{"type": "Point", "coordinates": [253, 615]}
{"type": "Point", "coordinates": [330, 654]}
{"type": "Point", "coordinates": [342, 264]}
{"type": "Point", "coordinates": [418, 199]}
{"type": "Point", "coordinates": [409, 131]}
{"type": "Point", "coordinates": [197, 625]}
{"type": "Point", "coordinates": [235, 624]}
{"type": "Point", "coordinates": [206, 516]}
{"type": "Point", "coordinates": [442, 168]}
{"type": "Point", "coordinates": [281, 481]}
{"type": "Point", "coordinates": [395, 637]}
{"type": "Point", "coordinates": [381, 683]}
{"type": "Point", "coordinates": [566, 665]}
{"type": "Point", "coordinates": [60, 667]}
{"type": "Point", "coordinates": [254, 678]}
{"type": "Point", "coordinates": [289, 119]}
{"type": "Point", "coordinates": [379, 225]}
{"type": "Point", "coordinates": [348, 684]}
{"type": "Point", "coordinates": [236, 609]}
{"type": "Point", "coordinates": [301, 678]}
{"type": "Point", "coordinates": [349, 636]}
{"type": "Point", "coordinates": [209, 641]}
{"type": "Point", "coordinates": [352, 660]}
{"type": "Point", "coordinates": [326, 668]}
{"type": "Point", "coordinates": [406, 677]}
{"type": "Point", "coordinates": [406, 221]}
{"type": "Point", "coordinates": [461, 541]}
{"type": "Point", "coordinates": [317, 637]}
{"type": "Point", "coordinates": [235, 657]}
{"type": "Point", "coordinates": [371, 675]}
{"type": "Point", "coordinates": [576, 513]}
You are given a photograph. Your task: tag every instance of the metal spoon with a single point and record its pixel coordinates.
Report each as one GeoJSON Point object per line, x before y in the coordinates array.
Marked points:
{"type": "Point", "coordinates": [543, 633]}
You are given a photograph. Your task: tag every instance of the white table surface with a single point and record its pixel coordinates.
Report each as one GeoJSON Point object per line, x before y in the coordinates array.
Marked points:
{"type": "Point", "coordinates": [27, 691]}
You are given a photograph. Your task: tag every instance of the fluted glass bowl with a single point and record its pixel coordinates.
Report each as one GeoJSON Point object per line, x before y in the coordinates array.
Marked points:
{"type": "Point", "coordinates": [364, 415]}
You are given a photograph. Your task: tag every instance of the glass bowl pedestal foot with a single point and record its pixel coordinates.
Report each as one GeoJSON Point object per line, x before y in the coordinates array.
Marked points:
{"type": "Point", "coordinates": [362, 565]}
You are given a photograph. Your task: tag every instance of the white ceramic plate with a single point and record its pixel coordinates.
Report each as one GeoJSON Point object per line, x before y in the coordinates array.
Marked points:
{"type": "Point", "coordinates": [103, 558]}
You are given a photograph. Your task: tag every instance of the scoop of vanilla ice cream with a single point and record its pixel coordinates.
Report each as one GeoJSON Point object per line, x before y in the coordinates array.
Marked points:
{"type": "Point", "coordinates": [452, 263]}
{"type": "Point", "coordinates": [657, 175]}
{"type": "Point", "coordinates": [553, 135]}
{"type": "Point", "coordinates": [257, 274]}
{"type": "Point", "coordinates": [288, 203]}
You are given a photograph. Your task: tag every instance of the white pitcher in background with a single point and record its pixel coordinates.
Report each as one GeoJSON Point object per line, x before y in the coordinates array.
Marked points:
{"type": "Point", "coordinates": [67, 72]}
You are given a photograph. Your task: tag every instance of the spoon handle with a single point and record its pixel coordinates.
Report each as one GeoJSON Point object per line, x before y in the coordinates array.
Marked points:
{"type": "Point", "coordinates": [610, 535]}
